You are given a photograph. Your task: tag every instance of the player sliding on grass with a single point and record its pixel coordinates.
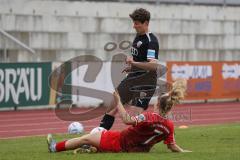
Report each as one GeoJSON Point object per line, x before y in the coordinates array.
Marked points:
{"type": "Point", "coordinates": [146, 129]}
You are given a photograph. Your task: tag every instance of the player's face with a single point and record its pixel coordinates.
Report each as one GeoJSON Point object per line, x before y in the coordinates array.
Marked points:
{"type": "Point", "coordinates": [141, 28]}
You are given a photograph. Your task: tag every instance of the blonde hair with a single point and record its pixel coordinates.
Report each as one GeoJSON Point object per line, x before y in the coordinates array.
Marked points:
{"type": "Point", "coordinates": [174, 96]}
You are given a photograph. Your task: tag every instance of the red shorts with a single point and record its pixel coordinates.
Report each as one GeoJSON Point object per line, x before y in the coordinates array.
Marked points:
{"type": "Point", "coordinates": [110, 141]}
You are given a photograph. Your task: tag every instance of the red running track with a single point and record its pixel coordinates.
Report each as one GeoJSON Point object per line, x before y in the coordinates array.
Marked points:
{"type": "Point", "coordinates": [23, 123]}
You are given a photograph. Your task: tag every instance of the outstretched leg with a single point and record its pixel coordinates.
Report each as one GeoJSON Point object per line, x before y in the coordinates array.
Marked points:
{"type": "Point", "coordinates": [89, 139]}
{"type": "Point", "coordinates": [109, 117]}
{"type": "Point", "coordinates": [123, 91]}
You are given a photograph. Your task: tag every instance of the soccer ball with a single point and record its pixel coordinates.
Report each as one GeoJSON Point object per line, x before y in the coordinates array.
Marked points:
{"type": "Point", "coordinates": [75, 128]}
{"type": "Point", "coordinates": [97, 129]}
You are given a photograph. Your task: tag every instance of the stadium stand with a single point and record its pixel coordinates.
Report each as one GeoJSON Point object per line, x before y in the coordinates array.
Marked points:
{"type": "Point", "coordinates": [59, 30]}
{"type": "Point", "coordinates": [190, 2]}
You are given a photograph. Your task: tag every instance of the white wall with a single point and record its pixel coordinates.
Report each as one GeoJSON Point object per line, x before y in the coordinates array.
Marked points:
{"type": "Point", "coordinates": [68, 29]}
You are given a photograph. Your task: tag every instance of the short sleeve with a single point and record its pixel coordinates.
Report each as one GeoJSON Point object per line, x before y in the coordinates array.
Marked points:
{"type": "Point", "coordinates": [152, 51]}
{"type": "Point", "coordinates": [140, 118]}
{"type": "Point", "coordinates": [144, 118]}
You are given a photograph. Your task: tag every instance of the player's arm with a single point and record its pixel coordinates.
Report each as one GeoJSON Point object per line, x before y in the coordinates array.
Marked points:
{"type": "Point", "coordinates": [151, 65]}
{"type": "Point", "coordinates": [171, 143]}
{"type": "Point", "coordinates": [176, 148]}
{"type": "Point", "coordinates": [152, 56]}
{"type": "Point", "coordinates": [126, 118]}
{"type": "Point", "coordinates": [156, 106]}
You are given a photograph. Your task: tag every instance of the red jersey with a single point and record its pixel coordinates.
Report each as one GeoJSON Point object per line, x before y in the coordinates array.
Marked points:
{"type": "Point", "coordinates": [150, 129]}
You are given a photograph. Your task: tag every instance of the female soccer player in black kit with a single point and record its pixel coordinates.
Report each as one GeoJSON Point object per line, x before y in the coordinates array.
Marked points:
{"type": "Point", "coordinates": [140, 84]}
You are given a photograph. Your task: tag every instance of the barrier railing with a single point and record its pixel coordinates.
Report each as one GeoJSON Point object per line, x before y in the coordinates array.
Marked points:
{"type": "Point", "coordinates": [17, 41]}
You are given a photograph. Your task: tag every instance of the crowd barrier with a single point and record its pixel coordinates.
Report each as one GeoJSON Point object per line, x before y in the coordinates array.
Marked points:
{"type": "Point", "coordinates": [27, 84]}
{"type": "Point", "coordinates": [207, 80]}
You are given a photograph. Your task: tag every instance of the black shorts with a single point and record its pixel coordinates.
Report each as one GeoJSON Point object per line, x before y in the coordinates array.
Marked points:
{"type": "Point", "coordinates": [138, 89]}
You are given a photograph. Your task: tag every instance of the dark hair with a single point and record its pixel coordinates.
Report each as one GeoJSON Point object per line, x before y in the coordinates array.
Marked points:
{"type": "Point", "coordinates": [141, 15]}
{"type": "Point", "coordinates": [174, 96]}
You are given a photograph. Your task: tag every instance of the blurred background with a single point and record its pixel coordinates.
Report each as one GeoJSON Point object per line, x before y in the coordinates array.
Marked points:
{"type": "Point", "coordinates": [50, 30]}
{"type": "Point", "coordinates": [199, 41]}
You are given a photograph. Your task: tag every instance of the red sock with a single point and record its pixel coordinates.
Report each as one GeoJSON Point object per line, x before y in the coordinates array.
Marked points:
{"type": "Point", "coordinates": [60, 146]}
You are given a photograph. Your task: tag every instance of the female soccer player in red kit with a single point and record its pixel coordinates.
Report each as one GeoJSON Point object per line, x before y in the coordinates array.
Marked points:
{"type": "Point", "coordinates": [146, 129]}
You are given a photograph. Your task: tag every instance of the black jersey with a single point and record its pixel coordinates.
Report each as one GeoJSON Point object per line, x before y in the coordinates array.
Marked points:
{"type": "Point", "coordinates": [139, 85]}
{"type": "Point", "coordinates": [144, 47]}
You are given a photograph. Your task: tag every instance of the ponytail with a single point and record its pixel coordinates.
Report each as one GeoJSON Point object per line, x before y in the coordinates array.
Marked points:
{"type": "Point", "coordinates": [173, 97]}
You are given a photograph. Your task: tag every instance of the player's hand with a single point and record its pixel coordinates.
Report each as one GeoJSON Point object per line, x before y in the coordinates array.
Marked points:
{"type": "Point", "coordinates": [129, 60]}
{"type": "Point", "coordinates": [127, 69]}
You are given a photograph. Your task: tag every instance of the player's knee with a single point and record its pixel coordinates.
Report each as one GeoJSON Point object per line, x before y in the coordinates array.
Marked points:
{"type": "Point", "coordinates": [86, 140]}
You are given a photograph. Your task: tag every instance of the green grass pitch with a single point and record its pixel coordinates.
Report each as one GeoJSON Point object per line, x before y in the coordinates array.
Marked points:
{"type": "Point", "coordinates": [215, 142]}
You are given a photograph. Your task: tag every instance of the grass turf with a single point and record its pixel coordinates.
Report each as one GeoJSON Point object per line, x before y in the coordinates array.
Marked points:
{"type": "Point", "coordinates": [218, 142]}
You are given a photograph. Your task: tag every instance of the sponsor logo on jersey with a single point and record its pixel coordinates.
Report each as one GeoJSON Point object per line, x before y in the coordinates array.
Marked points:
{"type": "Point", "coordinates": [140, 117]}
{"type": "Point", "coordinates": [139, 43]}
{"type": "Point", "coordinates": [134, 51]}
